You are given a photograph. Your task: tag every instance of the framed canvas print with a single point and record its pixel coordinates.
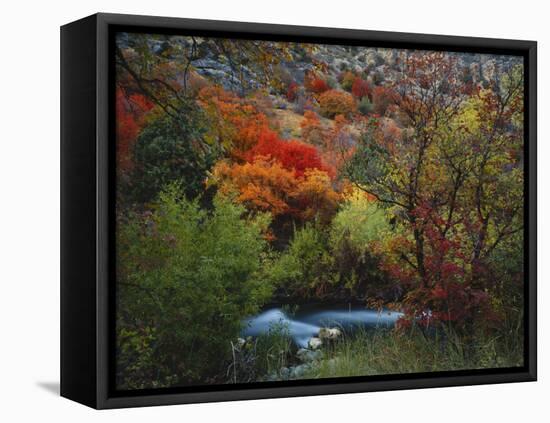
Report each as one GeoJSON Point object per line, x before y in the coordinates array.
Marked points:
{"type": "Point", "coordinates": [254, 211]}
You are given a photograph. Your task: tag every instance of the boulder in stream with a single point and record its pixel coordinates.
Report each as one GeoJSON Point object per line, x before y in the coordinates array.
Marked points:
{"type": "Point", "coordinates": [314, 343]}
{"type": "Point", "coordinates": [329, 333]}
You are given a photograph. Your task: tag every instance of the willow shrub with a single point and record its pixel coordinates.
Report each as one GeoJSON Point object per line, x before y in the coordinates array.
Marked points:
{"type": "Point", "coordinates": [335, 262]}
{"type": "Point", "coordinates": [304, 268]}
{"type": "Point", "coordinates": [186, 279]}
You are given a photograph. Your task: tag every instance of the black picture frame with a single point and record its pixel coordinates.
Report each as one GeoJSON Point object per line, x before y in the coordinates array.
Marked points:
{"type": "Point", "coordinates": [87, 211]}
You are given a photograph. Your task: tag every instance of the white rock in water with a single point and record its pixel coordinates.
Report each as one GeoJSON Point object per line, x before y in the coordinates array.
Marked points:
{"type": "Point", "coordinates": [329, 333]}
{"type": "Point", "coordinates": [314, 343]}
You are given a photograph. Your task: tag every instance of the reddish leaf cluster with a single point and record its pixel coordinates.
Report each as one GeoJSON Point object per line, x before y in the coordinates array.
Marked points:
{"type": "Point", "coordinates": [454, 302]}
{"type": "Point", "coordinates": [292, 91]}
{"type": "Point", "coordinates": [315, 84]}
{"type": "Point", "coordinates": [292, 154]}
{"type": "Point", "coordinates": [130, 109]}
{"type": "Point", "coordinates": [360, 88]}
{"type": "Point", "coordinates": [383, 98]}
{"type": "Point", "coordinates": [319, 86]}
{"type": "Point", "coordinates": [446, 293]}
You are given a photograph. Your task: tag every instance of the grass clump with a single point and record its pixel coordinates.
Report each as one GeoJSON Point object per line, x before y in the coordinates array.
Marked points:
{"type": "Point", "coordinates": [387, 351]}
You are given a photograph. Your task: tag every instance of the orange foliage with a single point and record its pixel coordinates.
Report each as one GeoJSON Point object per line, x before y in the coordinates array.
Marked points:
{"type": "Point", "coordinates": [316, 197]}
{"type": "Point", "coordinates": [336, 102]}
{"type": "Point", "coordinates": [265, 185]}
{"type": "Point", "coordinates": [234, 123]}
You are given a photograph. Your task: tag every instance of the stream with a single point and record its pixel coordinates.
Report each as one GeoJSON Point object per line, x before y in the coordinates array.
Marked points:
{"type": "Point", "coordinates": [307, 320]}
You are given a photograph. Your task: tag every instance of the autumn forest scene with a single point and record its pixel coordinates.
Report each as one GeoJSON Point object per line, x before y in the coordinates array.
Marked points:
{"type": "Point", "coordinates": [290, 211]}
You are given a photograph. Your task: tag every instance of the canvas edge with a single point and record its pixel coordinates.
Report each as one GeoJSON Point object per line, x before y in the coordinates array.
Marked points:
{"type": "Point", "coordinates": [78, 308]}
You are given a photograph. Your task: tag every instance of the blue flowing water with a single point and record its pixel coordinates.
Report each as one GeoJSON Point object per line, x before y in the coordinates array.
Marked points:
{"type": "Point", "coordinates": [306, 322]}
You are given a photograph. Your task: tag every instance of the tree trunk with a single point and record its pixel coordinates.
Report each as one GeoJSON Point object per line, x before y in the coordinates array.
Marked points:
{"type": "Point", "coordinates": [419, 252]}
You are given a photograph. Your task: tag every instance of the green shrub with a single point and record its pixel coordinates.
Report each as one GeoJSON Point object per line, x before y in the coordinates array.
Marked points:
{"type": "Point", "coordinates": [365, 106]}
{"type": "Point", "coordinates": [185, 280]}
{"type": "Point", "coordinates": [355, 266]}
{"type": "Point", "coordinates": [378, 77]}
{"type": "Point", "coordinates": [337, 263]}
{"type": "Point", "coordinates": [298, 270]}
{"type": "Point", "coordinates": [171, 150]}
{"type": "Point", "coordinates": [332, 82]}
{"type": "Point", "coordinates": [361, 219]}
{"type": "Point", "coordinates": [346, 80]}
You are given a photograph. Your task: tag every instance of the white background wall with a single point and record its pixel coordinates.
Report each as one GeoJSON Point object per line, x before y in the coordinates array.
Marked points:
{"type": "Point", "coordinates": [29, 210]}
